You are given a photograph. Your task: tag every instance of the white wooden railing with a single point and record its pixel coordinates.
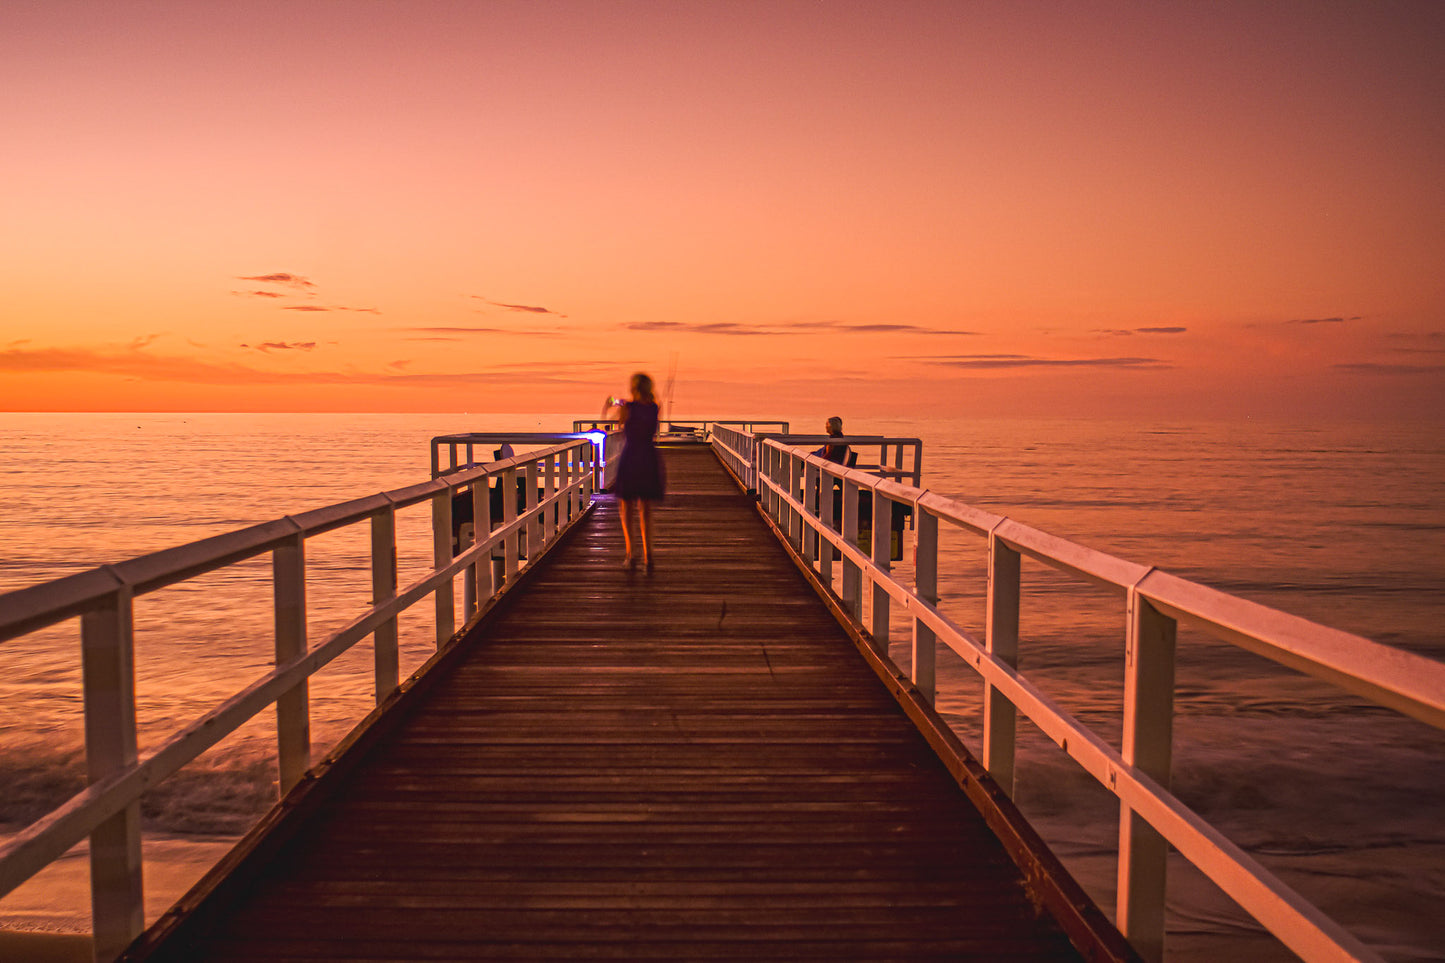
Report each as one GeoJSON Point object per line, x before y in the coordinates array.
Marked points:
{"type": "Point", "coordinates": [899, 458]}
{"type": "Point", "coordinates": [558, 483]}
{"type": "Point", "coordinates": [795, 488]}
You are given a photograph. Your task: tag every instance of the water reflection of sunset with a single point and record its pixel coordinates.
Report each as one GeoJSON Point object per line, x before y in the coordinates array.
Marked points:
{"type": "Point", "coordinates": [1000, 209]}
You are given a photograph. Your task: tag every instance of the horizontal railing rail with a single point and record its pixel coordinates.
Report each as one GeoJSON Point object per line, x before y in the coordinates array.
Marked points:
{"type": "Point", "coordinates": [462, 448]}
{"type": "Point", "coordinates": [557, 482]}
{"type": "Point", "coordinates": [702, 427]}
{"type": "Point", "coordinates": [793, 483]}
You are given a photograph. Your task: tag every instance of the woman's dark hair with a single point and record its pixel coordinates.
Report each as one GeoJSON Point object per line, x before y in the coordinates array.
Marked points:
{"type": "Point", "coordinates": [642, 387]}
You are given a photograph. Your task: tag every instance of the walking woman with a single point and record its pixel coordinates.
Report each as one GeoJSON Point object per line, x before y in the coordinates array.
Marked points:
{"type": "Point", "coordinates": [640, 475]}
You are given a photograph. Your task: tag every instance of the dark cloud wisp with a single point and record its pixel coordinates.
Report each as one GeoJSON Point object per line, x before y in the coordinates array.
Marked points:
{"type": "Point", "coordinates": [1018, 361]}
{"type": "Point", "coordinates": [281, 277]}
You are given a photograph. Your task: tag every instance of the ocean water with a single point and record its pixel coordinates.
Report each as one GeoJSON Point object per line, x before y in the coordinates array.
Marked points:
{"type": "Point", "coordinates": [1343, 524]}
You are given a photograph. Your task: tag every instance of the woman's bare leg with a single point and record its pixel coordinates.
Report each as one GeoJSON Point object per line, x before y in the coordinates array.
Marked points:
{"type": "Point", "coordinates": [646, 524]}
{"type": "Point", "coordinates": [624, 511]}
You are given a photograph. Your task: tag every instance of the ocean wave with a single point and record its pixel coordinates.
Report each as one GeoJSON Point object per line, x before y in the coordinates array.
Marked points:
{"type": "Point", "coordinates": [222, 793]}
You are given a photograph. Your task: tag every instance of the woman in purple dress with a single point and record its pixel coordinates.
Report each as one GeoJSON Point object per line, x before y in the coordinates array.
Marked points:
{"type": "Point", "coordinates": [640, 477]}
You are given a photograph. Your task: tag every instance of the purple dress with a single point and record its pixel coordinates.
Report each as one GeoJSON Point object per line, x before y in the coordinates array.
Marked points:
{"type": "Point", "coordinates": [639, 467]}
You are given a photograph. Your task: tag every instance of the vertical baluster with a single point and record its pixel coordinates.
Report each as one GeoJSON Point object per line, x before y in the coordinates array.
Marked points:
{"type": "Point", "coordinates": [795, 491]}
{"type": "Point", "coordinates": [826, 551]}
{"type": "Point", "coordinates": [585, 497]}
{"type": "Point", "coordinates": [550, 485]}
{"type": "Point", "coordinates": [509, 515]}
{"type": "Point", "coordinates": [441, 529]}
{"type": "Point", "coordinates": [1002, 640]}
{"type": "Point", "coordinates": [810, 504]}
{"type": "Point", "coordinates": [852, 576]}
{"type": "Point", "coordinates": [293, 712]}
{"type": "Point", "coordinates": [383, 587]}
{"type": "Point", "coordinates": [534, 522]}
{"type": "Point", "coordinates": [469, 574]}
{"type": "Point", "coordinates": [1148, 740]}
{"type": "Point", "coordinates": [882, 549]}
{"type": "Point", "coordinates": [482, 527]}
{"type": "Point", "coordinates": [117, 891]}
{"type": "Point", "coordinates": [925, 585]}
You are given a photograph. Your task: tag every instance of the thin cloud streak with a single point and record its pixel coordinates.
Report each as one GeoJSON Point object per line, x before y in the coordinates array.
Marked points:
{"type": "Point", "coordinates": [1005, 362]}
{"type": "Point", "coordinates": [1374, 368]}
{"type": "Point", "coordinates": [524, 308]}
{"type": "Point", "coordinates": [794, 327]}
{"type": "Point", "coordinates": [268, 346]}
{"type": "Point", "coordinates": [451, 330]}
{"type": "Point", "coordinates": [281, 277]}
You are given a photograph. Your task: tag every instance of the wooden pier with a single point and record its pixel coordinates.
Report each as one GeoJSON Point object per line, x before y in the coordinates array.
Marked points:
{"type": "Point", "coordinates": [698, 763]}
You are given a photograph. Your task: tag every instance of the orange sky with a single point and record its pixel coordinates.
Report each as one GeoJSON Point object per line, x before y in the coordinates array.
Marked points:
{"type": "Point", "coordinates": [1174, 210]}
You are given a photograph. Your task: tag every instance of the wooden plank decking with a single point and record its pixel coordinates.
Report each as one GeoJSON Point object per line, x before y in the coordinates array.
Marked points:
{"type": "Point", "coordinates": [695, 764]}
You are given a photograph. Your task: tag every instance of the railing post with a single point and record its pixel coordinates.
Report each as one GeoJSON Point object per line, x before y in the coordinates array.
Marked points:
{"type": "Point", "coordinates": [852, 576]}
{"type": "Point", "coordinates": [383, 587]}
{"type": "Point", "coordinates": [925, 586]}
{"type": "Point", "coordinates": [796, 525]}
{"type": "Point", "coordinates": [810, 504]}
{"type": "Point", "coordinates": [534, 523]}
{"type": "Point", "coordinates": [1000, 718]}
{"type": "Point", "coordinates": [826, 551]}
{"type": "Point", "coordinates": [549, 516]}
{"type": "Point", "coordinates": [481, 528]}
{"type": "Point", "coordinates": [117, 891]}
{"type": "Point", "coordinates": [882, 537]}
{"type": "Point", "coordinates": [1148, 740]}
{"type": "Point", "coordinates": [441, 530]}
{"type": "Point", "coordinates": [293, 710]}
{"type": "Point", "coordinates": [509, 515]}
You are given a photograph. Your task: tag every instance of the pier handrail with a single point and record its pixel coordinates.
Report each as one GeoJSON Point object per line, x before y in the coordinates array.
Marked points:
{"type": "Point", "coordinates": [900, 458]}
{"type": "Point", "coordinates": [795, 489]}
{"type": "Point", "coordinates": [703, 425]}
{"type": "Point", "coordinates": [558, 484]}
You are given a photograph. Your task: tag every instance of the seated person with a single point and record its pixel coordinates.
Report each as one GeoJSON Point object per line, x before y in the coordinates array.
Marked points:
{"type": "Point", "coordinates": [834, 452]}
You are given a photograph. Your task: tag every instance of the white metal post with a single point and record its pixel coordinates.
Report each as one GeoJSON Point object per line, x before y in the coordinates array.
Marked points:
{"type": "Point", "coordinates": [810, 503]}
{"type": "Point", "coordinates": [534, 523]}
{"type": "Point", "coordinates": [795, 491]}
{"type": "Point", "coordinates": [1000, 718]}
{"type": "Point", "coordinates": [826, 551]}
{"type": "Point", "coordinates": [441, 528]}
{"type": "Point", "coordinates": [293, 709]}
{"type": "Point", "coordinates": [117, 891]}
{"type": "Point", "coordinates": [925, 585]}
{"type": "Point", "coordinates": [1148, 741]}
{"type": "Point", "coordinates": [383, 587]}
{"type": "Point", "coordinates": [882, 549]}
{"type": "Point", "coordinates": [550, 515]}
{"type": "Point", "coordinates": [481, 528]}
{"type": "Point", "coordinates": [509, 515]}
{"type": "Point", "coordinates": [852, 577]}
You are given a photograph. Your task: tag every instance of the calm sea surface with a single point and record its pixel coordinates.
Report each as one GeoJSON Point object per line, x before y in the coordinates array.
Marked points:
{"type": "Point", "coordinates": [1342, 524]}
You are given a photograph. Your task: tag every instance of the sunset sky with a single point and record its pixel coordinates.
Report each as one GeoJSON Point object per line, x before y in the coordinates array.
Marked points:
{"type": "Point", "coordinates": [1220, 209]}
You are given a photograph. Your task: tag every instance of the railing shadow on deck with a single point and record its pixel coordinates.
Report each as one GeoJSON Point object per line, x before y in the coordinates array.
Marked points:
{"type": "Point", "coordinates": [795, 488]}
{"type": "Point", "coordinates": [557, 483]}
